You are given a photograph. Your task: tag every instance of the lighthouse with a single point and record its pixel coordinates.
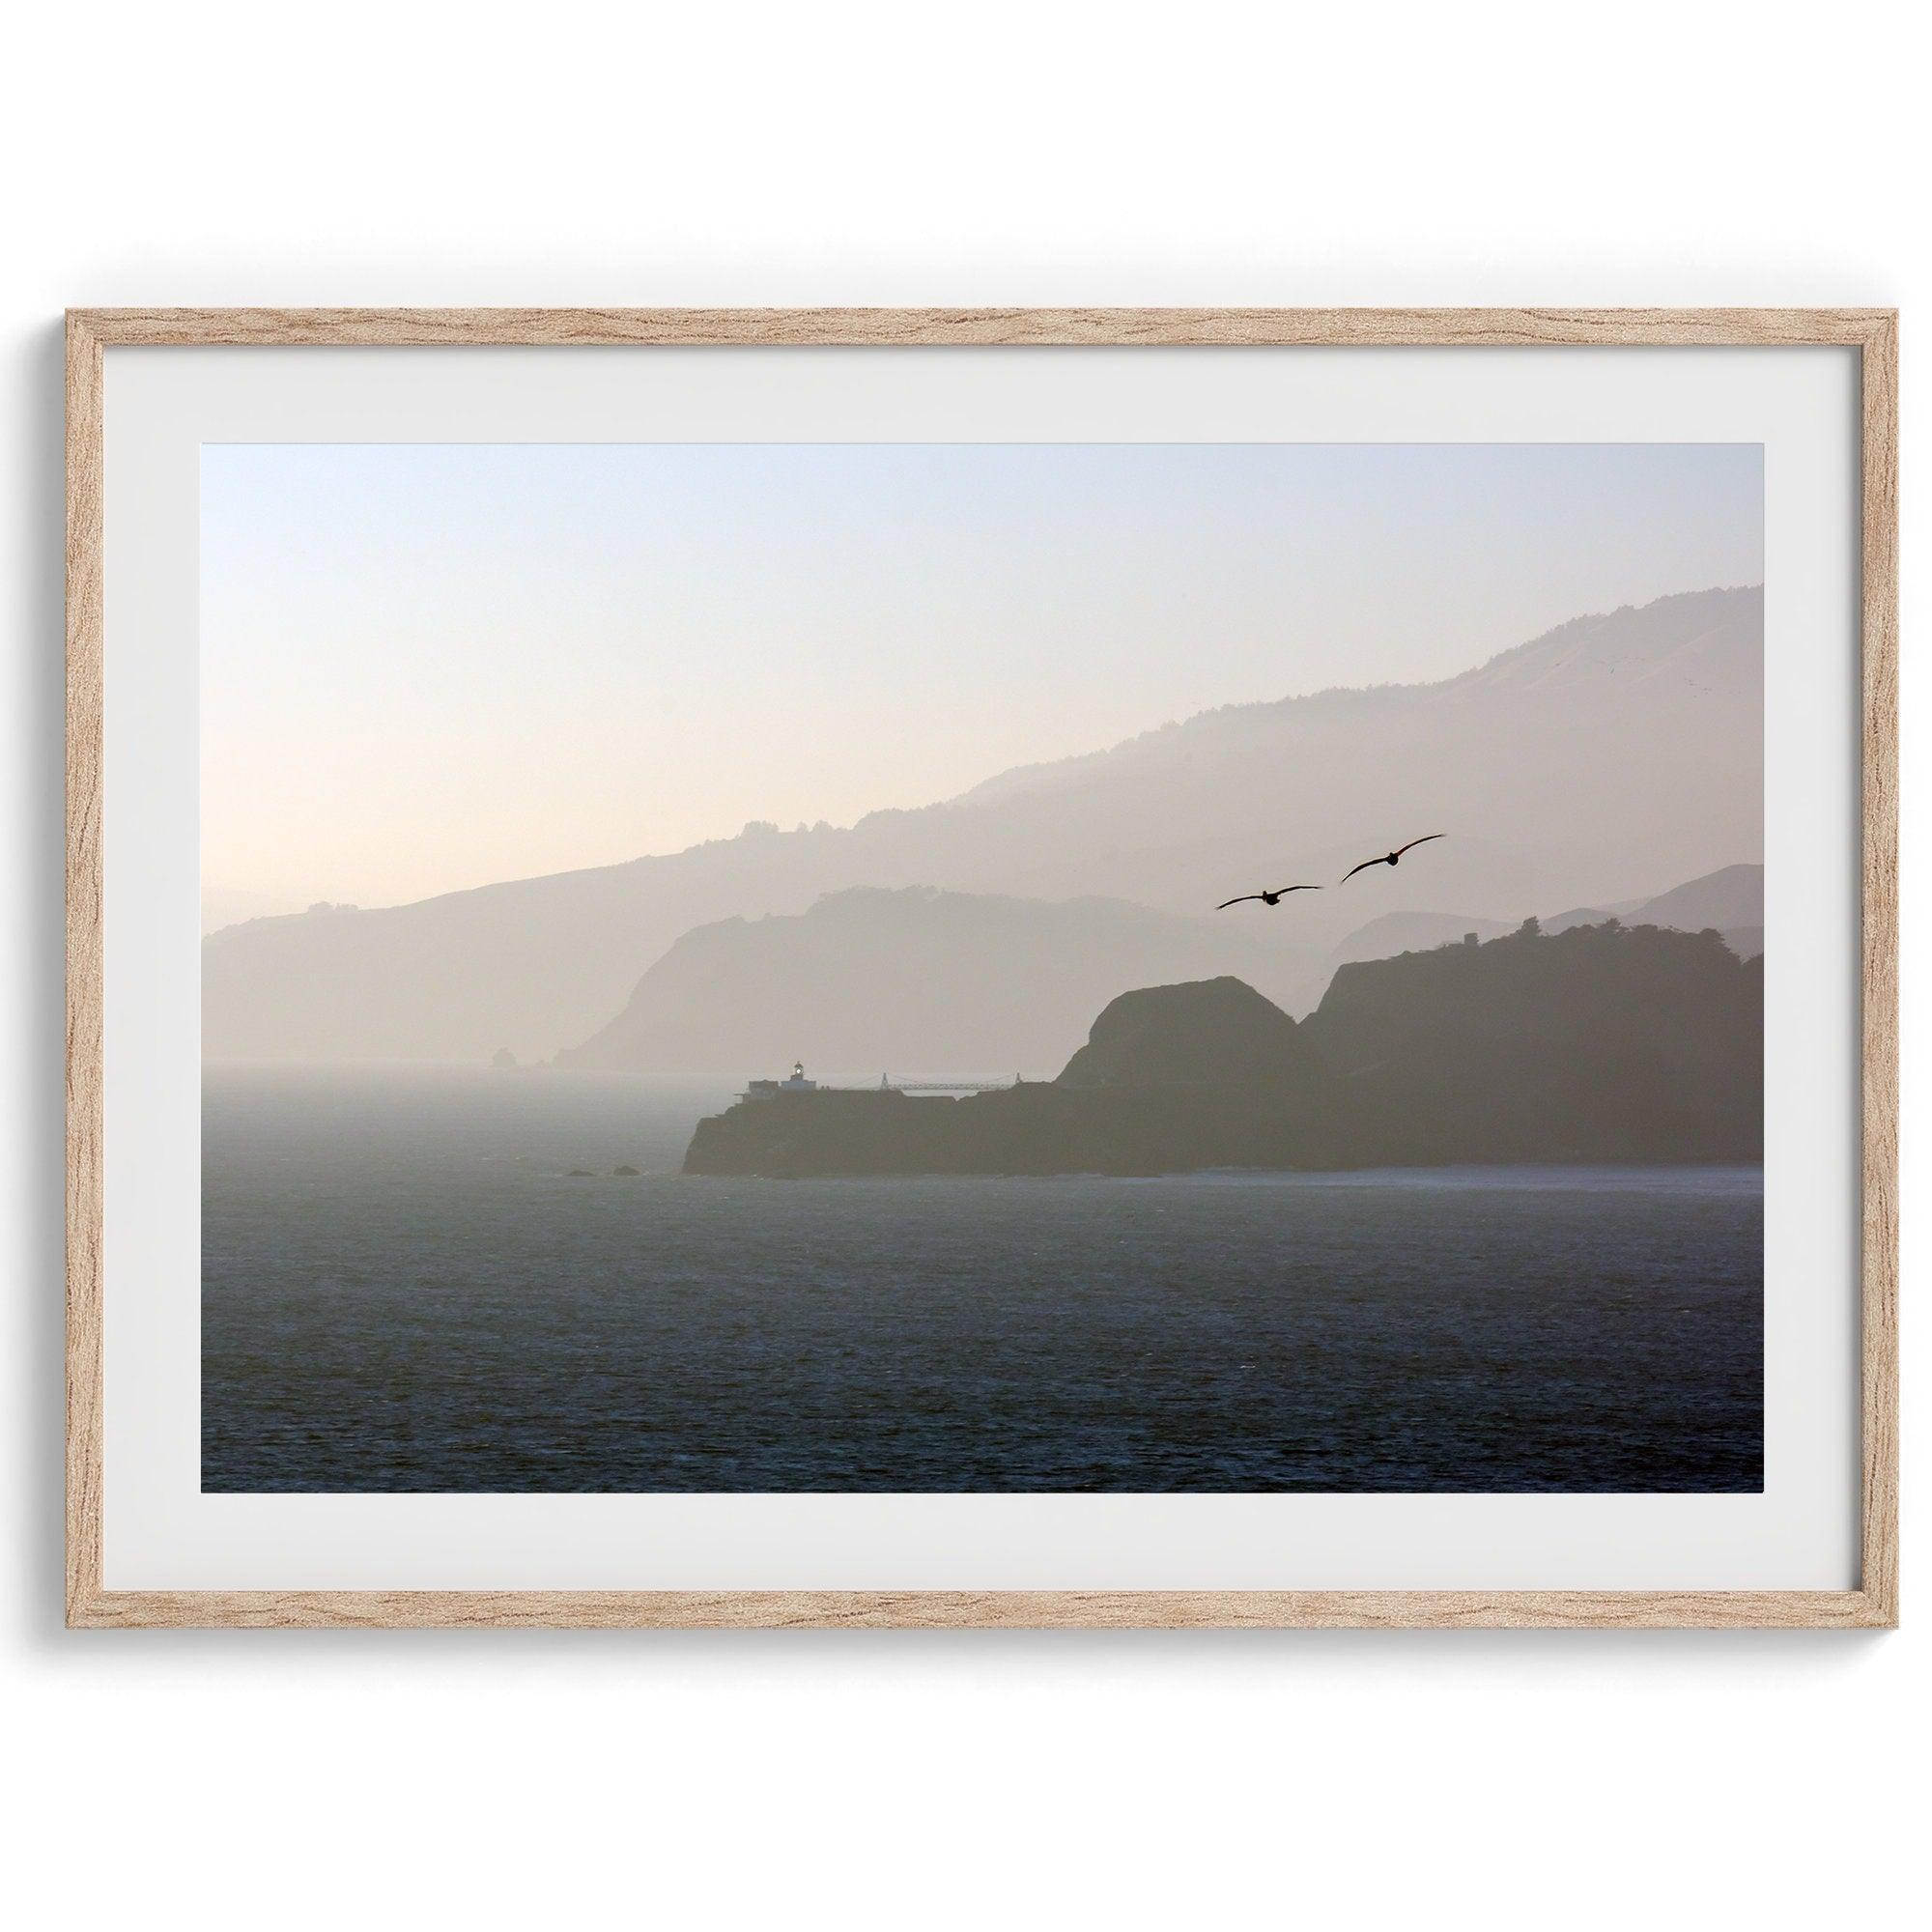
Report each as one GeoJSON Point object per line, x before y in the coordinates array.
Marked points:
{"type": "Point", "coordinates": [766, 1089]}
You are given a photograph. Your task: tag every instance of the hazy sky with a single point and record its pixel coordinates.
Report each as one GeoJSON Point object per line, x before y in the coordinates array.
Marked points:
{"type": "Point", "coordinates": [431, 666]}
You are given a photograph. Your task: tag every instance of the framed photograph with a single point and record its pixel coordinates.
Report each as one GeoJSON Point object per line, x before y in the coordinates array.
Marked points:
{"type": "Point", "coordinates": [1012, 967]}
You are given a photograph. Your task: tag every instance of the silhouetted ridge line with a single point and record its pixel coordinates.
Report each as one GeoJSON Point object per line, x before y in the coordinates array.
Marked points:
{"type": "Point", "coordinates": [1605, 1043]}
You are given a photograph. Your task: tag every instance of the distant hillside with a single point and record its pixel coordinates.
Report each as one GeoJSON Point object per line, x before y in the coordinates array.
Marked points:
{"type": "Point", "coordinates": [1412, 932]}
{"type": "Point", "coordinates": [912, 980]}
{"type": "Point", "coordinates": [1575, 770]}
{"type": "Point", "coordinates": [1603, 1044]}
{"type": "Point", "coordinates": [908, 982]}
{"type": "Point", "coordinates": [1730, 901]}
{"type": "Point", "coordinates": [1388, 935]}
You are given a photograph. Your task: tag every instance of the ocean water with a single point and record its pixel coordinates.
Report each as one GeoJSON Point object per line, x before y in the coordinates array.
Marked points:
{"type": "Point", "coordinates": [405, 1289]}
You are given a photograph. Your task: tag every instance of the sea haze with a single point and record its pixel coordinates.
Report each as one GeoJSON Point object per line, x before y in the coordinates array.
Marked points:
{"type": "Point", "coordinates": [405, 1288]}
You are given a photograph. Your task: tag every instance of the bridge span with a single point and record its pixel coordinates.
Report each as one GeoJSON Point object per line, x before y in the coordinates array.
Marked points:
{"type": "Point", "coordinates": [947, 1086]}
{"type": "Point", "coordinates": [770, 1089]}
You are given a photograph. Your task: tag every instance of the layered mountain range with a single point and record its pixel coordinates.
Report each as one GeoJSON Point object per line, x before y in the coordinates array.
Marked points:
{"type": "Point", "coordinates": [1583, 769]}
{"type": "Point", "coordinates": [913, 981]}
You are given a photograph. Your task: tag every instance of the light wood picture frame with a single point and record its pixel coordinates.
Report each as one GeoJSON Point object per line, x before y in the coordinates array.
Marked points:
{"type": "Point", "coordinates": [1871, 334]}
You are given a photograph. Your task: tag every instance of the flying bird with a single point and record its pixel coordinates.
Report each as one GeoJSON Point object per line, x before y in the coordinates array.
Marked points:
{"type": "Point", "coordinates": [1274, 897]}
{"type": "Point", "coordinates": [1391, 858]}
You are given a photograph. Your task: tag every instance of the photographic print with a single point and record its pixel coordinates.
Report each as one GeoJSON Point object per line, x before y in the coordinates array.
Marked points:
{"type": "Point", "coordinates": [1161, 967]}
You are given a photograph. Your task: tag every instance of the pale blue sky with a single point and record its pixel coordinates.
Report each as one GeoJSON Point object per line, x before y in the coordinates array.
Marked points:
{"type": "Point", "coordinates": [429, 667]}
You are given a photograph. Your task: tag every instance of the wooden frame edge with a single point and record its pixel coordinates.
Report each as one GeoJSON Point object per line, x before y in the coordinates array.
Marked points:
{"type": "Point", "coordinates": [1875, 1605]}
{"type": "Point", "coordinates": [983, 1610]}
{"type": "Point", "coordinates": [1043, 328]}
{"type": "Point", "coordinates": [85, 563]}
{"type": "Point", "coordinates": [1877, 893]}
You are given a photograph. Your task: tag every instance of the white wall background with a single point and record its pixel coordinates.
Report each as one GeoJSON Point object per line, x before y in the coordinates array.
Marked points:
{"type": "Point", "coordinates": [398, 153]}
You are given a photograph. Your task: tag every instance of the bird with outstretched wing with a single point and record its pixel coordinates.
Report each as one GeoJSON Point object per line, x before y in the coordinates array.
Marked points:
{"type": "Point", "coordinates": [1274, 897]}
{"type": "Point", "coordinates": [1391, 858]}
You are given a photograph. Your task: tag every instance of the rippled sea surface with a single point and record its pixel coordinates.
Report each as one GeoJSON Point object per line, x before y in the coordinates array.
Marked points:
{"type": "Point", "coordinates": [405, 1288]}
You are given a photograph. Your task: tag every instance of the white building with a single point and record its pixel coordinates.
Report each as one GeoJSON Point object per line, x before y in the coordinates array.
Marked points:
{"type": "Point", "coordinates": [765, 1089]}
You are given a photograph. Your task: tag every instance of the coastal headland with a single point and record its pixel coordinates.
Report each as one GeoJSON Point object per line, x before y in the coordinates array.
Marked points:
{"type": "Point", "coordinates": [1600, 1043]}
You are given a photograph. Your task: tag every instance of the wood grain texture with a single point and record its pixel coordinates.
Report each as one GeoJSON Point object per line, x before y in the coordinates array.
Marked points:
{"type": "Point", "coordinates": [85, 563]}
{"type": "Point", "coordinates": [1041, 327]}
{"type": "Point", "coordinates": [1879, 964]}
{"type": "Point", "coordinates": [1873, 332]}
{"type": "Point", "coordinates": [996, 1609]}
